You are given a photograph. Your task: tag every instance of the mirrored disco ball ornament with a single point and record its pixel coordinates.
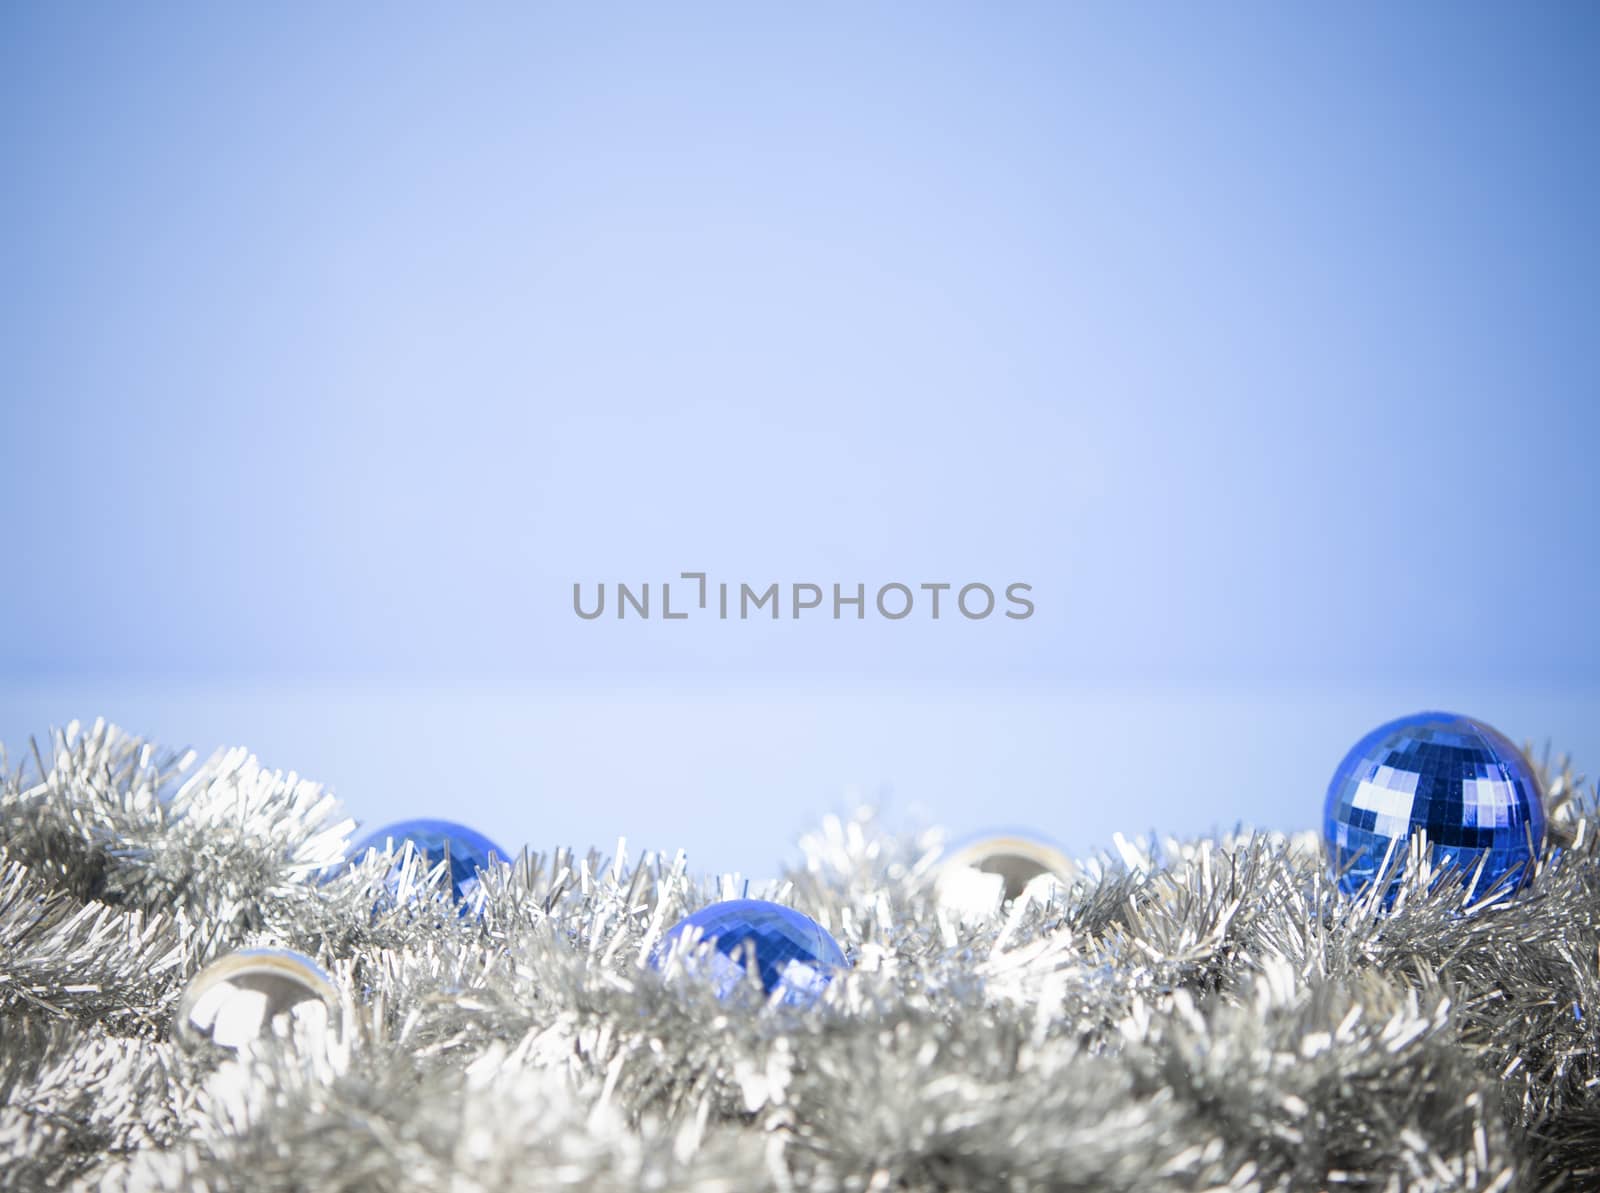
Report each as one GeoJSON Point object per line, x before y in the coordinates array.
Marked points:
{"type": "Point", "coordinates": [999, 866]}
{"type": "Point", "coordinates": [251, 995]}
{"type": "Point", "coordinates": [1458, 780]}
{"type": "Point", "coordinates": [434, 841]}
{"type": "Point", "coordinates": [792, 953]}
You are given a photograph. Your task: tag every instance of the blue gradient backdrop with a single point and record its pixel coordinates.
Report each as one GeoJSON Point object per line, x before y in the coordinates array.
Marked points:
{"type": "Point", "coordinates": [1258, 338]}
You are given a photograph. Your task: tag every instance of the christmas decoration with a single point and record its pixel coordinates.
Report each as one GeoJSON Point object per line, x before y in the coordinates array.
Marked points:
{"type": "Point", "coordinates": [467, 851]}
{"type": "Point", "coordinates": [1173, 1016]}
{"type": "Point", "coordinates": [245, 996]}
{"type": "Point", "coordinates": [792, 955]}
{"type": "Point", "coordinates": [1465, 791]}
{"type": "Point", "coordinates": [999, 866]}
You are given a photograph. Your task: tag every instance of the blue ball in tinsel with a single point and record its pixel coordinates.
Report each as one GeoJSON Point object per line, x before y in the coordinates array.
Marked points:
{"type": "Point", "coordinates": [1464, 784]}
{"type": "Point", "coordinates": [793, 955]}
{"type": "Point", "coordinates": [467, 850]}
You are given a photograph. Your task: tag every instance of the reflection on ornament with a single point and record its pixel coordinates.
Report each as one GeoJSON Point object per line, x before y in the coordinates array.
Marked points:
{"type": "Point", "coordinates": [793, 955]}
{"type": "Point", "coordinates": [434, 841]}
{"type": "Point", "coordinates": [1456, 779]}
{"type": "Point", "coordinates": [253, 994]}
{"type": "Point", "coordinates": [979, 874]}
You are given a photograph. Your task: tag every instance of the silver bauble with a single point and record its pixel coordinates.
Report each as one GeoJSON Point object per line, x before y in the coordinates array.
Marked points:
{"type": "Point", "coordinates": [1000, 867]}
{"type": "Point", "coordinates": [253, 994]}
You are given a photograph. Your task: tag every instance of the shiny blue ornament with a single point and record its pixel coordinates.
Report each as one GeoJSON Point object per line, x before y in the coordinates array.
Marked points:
{"type": "Point", "coordinates": [794, 955]}
{"type": "Point", "coordinates": [469, 851]}
{"type": "Point", "coordinates": [1460, 781]}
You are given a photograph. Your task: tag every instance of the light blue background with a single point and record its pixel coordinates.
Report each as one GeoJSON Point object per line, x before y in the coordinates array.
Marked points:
{"type": "Point", "coordinates": [1258, 338]}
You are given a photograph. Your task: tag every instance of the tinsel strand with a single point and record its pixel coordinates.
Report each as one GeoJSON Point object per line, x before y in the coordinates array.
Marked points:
{"type": "Point", "coordinates": [1206, 1014]}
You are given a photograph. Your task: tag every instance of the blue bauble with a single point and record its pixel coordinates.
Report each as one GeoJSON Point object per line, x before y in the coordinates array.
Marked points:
{"type": "Point", "coordinates": [793, 954]}
{"type": "Point", "coordinates": [434, 841]}
{"type": "Point", "coordinates": [1460, 781]}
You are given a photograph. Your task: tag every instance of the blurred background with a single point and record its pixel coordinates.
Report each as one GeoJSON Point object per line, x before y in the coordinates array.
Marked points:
{"type": "Point", "coordinates": [338, 345]}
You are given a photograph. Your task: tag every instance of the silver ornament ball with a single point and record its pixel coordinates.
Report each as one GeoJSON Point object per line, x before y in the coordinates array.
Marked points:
{"type": "Point", "coordinates": [1003, 862]}
{"type": "Point", "coordinates": [251, 995]}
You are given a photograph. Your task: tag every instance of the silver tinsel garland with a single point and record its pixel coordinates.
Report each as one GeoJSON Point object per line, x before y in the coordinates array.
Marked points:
{"type": "Point", "coordinates": [1173, 1016]}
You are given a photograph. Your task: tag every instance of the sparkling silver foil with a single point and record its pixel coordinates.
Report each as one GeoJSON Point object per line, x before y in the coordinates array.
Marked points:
{"type": "Point", "coordinates": [1167, 1016]}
